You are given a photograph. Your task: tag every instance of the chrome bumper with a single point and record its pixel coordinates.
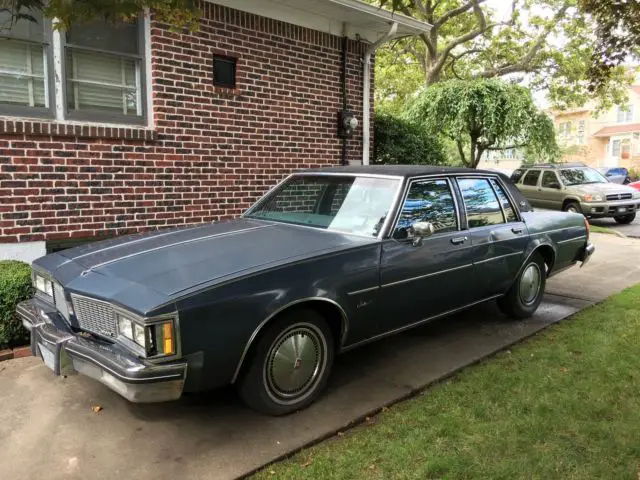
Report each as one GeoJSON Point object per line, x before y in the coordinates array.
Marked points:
{"type": "Point", "coordinates": [67, 353]}
{"type": "Point", "coordinates": [586, 253]}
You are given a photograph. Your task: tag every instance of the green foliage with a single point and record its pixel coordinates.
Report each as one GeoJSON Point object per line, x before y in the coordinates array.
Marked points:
{"type": "Point", "coordinates": [546, 44]}
{"type": "Point", "coordinates": [179, 13]}
{"type": "Point", "coordinates": [617, 37]}
{"type": "Point", "coordinates": [399, 141]}
{"type": "Point", "coordinates": [15, 286]}
{"type": "Point", "coordinates": [481, 115]}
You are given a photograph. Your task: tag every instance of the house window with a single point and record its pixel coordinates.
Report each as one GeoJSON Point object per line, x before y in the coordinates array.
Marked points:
{"type": "Point", "coordinates": [224, 71]}
{"type": "Point", "coordinates": [615, 148]}
{"type": "Point", "coordinates": [98, 70]}
{"type": "Point", "coordinates": [24, 66]}
{"type": "Point", "coordinates": [580, 138]}
{"type": "Point", "coordinates": [625, 114]}
{"type": "Point", "coordinates": [103, 72]}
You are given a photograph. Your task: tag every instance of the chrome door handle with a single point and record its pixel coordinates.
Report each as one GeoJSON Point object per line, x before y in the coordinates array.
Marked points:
{"type": "Point", "coordinates": [458, 240]}
{"type": "Point", "coordinates": [517, 230]}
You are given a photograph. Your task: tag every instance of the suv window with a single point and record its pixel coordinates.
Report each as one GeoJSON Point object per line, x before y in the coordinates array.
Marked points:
{"type": "Point", "coordinates": [517, 175]}
{"type": "Point", "coordinates": [550, 180]}
{"type": "Point", "coordinates": [531, 178]}
{"type": "Point", "coordinates": [428, 201]}
{"type": "Point", "coordinates": [481, 203]}
{"type": "Point", "coordinates": [504, 200]}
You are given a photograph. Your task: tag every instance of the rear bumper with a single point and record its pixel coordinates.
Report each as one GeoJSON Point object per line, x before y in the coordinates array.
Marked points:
{"type": "Point", "coordinates": [586, 253]}
{"type": "Point", "coordinates": [67, 353]}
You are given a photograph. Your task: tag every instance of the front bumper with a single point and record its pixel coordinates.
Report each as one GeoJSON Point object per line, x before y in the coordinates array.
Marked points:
{"type": "Point", "coordinates": [67, 352]}
{"type": "Point", "coordinates": [586, 253]}
{"type": "Point", "coordinates": [611, 208]}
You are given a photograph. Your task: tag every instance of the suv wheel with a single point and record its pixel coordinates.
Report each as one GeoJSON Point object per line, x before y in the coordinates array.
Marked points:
{"type": "Point", "coordinates": [572, 207]}
{"type": "Point", "coordinates": [624, 219]}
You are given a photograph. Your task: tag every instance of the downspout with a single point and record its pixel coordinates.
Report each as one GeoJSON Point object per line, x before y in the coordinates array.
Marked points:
{"type": "Point", "coordinates": [366, 90]}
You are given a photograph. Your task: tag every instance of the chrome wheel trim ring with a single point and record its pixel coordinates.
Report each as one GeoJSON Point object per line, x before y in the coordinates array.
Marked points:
{"type": "Point", "coordinates": [530, 284]}
{"type": "Point", "coordinates": [295, 363]}
{"type": "Point", "coordinates": [572, 209]}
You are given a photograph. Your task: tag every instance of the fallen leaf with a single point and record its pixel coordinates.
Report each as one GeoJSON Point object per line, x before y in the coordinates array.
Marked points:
{"type": "Point", "coordinates": [370, 421]}
{"type": "Point", "coordinates": [96, 408]}
{"type": "Point", "coordinates": [307, 463]}
{"type": "Point", "coordinates": [564, 369]}
{"type": "Point", "coordinates": [341, 434]}
{"type": "Point", "coordinates": [385, 409]}
{"type": "Point", "coordinates": [272, 472]}
{"type": "Point", "coordinates": [372, 467]}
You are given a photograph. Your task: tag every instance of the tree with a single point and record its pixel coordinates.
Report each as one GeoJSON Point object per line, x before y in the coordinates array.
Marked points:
{"type": "Point", "coordinates": [399, 141]}
{"type": "Point", "coordinates": [179, 13]}
{"type": "Point", "coordinates": [618, 37]}
{"type": "Point", "coordinates": [482, 115]}
{"type": "Point", "coordinates": [470, 40]}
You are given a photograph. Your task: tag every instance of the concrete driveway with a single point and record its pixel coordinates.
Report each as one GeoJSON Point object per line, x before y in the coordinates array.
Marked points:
{"type": "Point", "coordinates": [49, 430]}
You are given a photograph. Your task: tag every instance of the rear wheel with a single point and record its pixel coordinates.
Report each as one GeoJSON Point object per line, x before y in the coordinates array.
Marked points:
{"type": "Point", "coordinates": [525, 295]}
{"type": "Point", "coordinates": [624, 219]}
{"type": "Point", "coordinates": [573, 207]}
{"type": "Point", "coordinates": [290, 364]}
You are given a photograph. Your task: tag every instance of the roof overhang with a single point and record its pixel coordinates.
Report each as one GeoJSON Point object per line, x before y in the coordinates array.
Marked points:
{"type": "Point", "coordinates": [617, 130]}
{"type": "Point", "coordinates": [354, 18]}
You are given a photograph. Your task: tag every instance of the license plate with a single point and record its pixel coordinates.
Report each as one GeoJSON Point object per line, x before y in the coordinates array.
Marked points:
{"type": "Point", "coordinates": [47, 356]}
{"type": "Point", "coordinates": [622, 209]}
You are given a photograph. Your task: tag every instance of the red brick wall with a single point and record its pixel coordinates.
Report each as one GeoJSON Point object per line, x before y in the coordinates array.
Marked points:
{"type": "Point", "coordinates": [212, 151]}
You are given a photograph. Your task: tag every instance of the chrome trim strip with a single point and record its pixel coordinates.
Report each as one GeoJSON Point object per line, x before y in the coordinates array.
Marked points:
{"type": "Point", "coordinates": [364, 290]}
{"type": "Point", "coordinates": [418, 323]}
{"type": "Point", "coordinates": [574, 239]}
{"type": "Point", "coordinates": [432, 274]}
{"type": "Point", "coordinates": [498, 257]}
{"type": "Point", "coordinates": [345, 327]}
{"type": "Point", "coordinates": [184, 242]}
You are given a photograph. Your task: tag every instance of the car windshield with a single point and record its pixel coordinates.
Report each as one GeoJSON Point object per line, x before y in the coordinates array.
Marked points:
{"type": "Point", "coordinates": [357, 205]}
{"type": "Point", "coordinates": [581, 176]}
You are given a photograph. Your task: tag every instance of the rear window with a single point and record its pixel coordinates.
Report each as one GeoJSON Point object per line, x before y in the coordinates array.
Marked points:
{"type": "Point", "coordinates": [531, 178]}
{"type": "Point", "coordinates": [517, 175]}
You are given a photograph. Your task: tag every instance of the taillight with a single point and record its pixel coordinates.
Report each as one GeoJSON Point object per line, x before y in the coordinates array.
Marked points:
{"type": "Point", "coordinates": [587, 226]}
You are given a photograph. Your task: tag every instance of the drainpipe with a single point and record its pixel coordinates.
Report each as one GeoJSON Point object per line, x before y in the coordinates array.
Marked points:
{"type": "Point", "coordinates": [366, 90]}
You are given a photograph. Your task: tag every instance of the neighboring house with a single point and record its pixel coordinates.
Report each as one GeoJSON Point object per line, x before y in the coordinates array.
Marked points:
{"type": "Point", "coordinates": [504, 160]}
{"type": "Point", "coordinates": [106, 130]}
{"type": "Point", "coordinates": [607, 139]}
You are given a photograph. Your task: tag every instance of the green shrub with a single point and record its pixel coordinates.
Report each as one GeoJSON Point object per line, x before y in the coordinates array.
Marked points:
{"type": "Point", "coordinates": [15, 286]}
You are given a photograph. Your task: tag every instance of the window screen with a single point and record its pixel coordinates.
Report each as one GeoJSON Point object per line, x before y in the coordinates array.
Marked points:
{"type": "Point", "coordinates": [224, 71]}
{"type": "Point", "coordinates": [531, 178]}
{"type": "Point", "coordinates": [103, 74]}
{"type": "Point", "coordinates": [23, 62]}
{"type": "Point", "coordinates": [481, 203]}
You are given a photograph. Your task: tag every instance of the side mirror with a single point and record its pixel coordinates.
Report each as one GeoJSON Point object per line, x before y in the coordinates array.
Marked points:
{"type": "Point", "coordinates": [555, 185]}
{"type": "Point", "coordinates": [421, 230]}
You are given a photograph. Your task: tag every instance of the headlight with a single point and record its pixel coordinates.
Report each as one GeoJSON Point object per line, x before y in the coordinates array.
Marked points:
{"type": "Point", "coordinates": [156, 339]}
{"type": "Point", "coordinates": [42, 284]}
{"type": "Point", "coordinates": [593, 198]}
{"type": "Point", "coordinates": [636, 195]}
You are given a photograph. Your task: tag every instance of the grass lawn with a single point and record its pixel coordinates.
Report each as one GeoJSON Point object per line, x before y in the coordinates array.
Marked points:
{"type": "Point", "coordinates": [598, 229]}
{"type": "Point", "coordinates": [563, 405]}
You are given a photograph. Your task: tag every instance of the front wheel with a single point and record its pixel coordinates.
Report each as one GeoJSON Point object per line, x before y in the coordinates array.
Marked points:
{"type": "Point", "coordinates": [525, 295]}
{"type": "Point", "coordinates": [573, 207]}
{"type": "Point", "coordinates": [290, 364]}
{"type": "Point", "coordinates": [625, 219]}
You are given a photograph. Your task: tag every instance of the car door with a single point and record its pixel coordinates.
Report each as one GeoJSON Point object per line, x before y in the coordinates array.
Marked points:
{"type": "Point", "coordinates": [529, 187]}
{"type": "Point", "coordinates": [550, 191]}
{"type": "Point", "coordinates": [419, 280]}
{"type": "Point", "coordinates": [497, 233]}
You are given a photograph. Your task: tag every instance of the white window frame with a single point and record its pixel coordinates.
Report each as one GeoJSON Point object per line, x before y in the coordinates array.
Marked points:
{"type": "Point", "coordinates": [624, 114]}
{"type": "Point", "coordinates": [54, 43]}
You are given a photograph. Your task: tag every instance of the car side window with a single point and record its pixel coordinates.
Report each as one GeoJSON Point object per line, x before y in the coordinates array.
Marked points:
{"type": "Point", "coordinates": [517, 175]}
{"type": "Point", "coordinates": [550, 180]}
{"type": "Point", "coordinates": [427, 201]}
{"type": "Point", "coordinates": [481, 203]}
{"type": "Point", "coordinates": [531, 178]}
{"type": "Point", "coordinates": [504, 200]}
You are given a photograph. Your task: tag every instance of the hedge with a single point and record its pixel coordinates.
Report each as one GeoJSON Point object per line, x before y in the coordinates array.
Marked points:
{"type": "Point", "coordinates": [15, 286]}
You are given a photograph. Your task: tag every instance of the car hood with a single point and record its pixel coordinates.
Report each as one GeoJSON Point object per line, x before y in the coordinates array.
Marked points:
{"type": "Point", "coordinates": [601, 188]}
{"type": "Point", "coordinates": [173, 261]}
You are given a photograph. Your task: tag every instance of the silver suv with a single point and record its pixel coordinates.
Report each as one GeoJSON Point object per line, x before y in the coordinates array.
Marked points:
{"type": "Point", "coordinates": [577, 188]}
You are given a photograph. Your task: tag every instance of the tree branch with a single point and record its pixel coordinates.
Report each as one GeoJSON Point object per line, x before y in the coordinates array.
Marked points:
{"type": "Point", "coordinates": [524, 65]}
{"type": "Point", "coordinates": [461, 151]}
{"type": "Point", "coordinates": [457, 11]}
{"type": "Point", "coordinates": [455, 58]}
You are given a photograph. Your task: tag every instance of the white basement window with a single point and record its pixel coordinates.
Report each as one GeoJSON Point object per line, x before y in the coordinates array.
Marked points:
{"type": "Point", "coordinates": [98, 67]}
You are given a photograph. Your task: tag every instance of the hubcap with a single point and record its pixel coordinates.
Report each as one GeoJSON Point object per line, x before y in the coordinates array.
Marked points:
{"type": "Point", "coordinates": [573, 209]}
{"type": "Point", "coordinates": [530, 283]}
{"type": "Point", "coordinates": [295, 363]}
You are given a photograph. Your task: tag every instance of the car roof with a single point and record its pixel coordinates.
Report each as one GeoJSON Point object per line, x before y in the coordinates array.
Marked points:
{"type": "Point", "coordinates": [397, 170]}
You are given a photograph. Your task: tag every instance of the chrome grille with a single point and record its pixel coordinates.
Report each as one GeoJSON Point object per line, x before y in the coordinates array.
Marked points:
{"type": "Point", "coordinates": [95, 316]}
{"type": "Point", "coordinates": [620, 196]}
{"type": "Point", "coordinates": [60, 301]}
